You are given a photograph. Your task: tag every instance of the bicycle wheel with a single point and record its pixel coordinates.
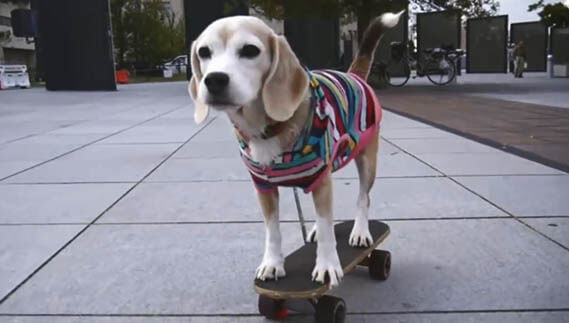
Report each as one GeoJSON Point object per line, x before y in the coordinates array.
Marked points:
{"type": "Point", "coordinates": [397, 73]}
{"type": "Point", "coordinates": [441, 71]}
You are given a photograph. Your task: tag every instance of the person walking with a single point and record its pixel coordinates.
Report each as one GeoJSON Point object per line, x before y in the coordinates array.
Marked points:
{"type": "Point", "coordinates": [519, 59]}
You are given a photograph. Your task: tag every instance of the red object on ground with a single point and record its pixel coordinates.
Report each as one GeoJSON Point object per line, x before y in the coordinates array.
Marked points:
{"type": "Point", "coordinates": [122, 76]}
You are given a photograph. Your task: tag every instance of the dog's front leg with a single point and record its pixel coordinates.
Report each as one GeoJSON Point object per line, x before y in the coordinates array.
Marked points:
{"type": "Point", "coordinates": [327, 261]}
{"type": "Point", "coordinates": [272, 266]}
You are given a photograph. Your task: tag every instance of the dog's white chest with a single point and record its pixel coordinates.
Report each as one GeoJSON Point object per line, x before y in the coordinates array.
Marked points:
{"type": "Point", "coordinates": [264, 151]}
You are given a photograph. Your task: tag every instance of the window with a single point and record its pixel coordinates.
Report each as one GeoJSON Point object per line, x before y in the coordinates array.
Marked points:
{"type": "Point", "coordinates": [5, 21]}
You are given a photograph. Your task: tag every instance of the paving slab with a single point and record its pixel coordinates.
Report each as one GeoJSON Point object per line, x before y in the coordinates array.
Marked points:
{"type": "Point", "coordinates": [392, 162]}
{"type": "Point", "coordinates": [415, 133]}
{"type": "Point", "coordinates": [152, 269]}
{"type": "Point", "coordinates": [220, 129]}
{"type": "Point", "coordinates": [209, 149]}
{"type": "Point", "coordinates": [524, 195]}
{"type": "Point", "coordinates": [391, 120]}
{"type": "Point", "coordinates": [555, 228]}
{"type": "Point", "coordinates": [8, 168]}
{"type": "Point", "coordinates": [99, 163]}
{"type": "Point", "coordinates": [158, 269]}
{"type": "Point", "coordinates": [201, 169]}
{"type": "Point", "coordinates": [442, 265]}
{"type": "Point", "coordinates": [546, 317]}
{"type": "Point", "coordinates": [37, 111]}
{"type": "Point", "coordinates": [14, 130]}
{"type": "Point", "coordinates": [543, 317]}
{"type": "Point", "coordinates": [153, 134]}
{"type": "Point", "coordinates": [410, 198]}
{"type": "Point", "coordinates": [499, 163]}
{"type": "Point", "coordinates": [195, 202]}
{"type": "Point", "coordinates": [19, 155]}
{"type": "Point", "coordinates": [442, 145]}
{"type": "Point", "coordinates": [400, 198]}
{"type": "Point", "coordinates": [230, 149]}
{"type": "Point", "coordinates": [103, 127]}
{"type": "Point", "coordinates": [25, 248]}
{"type": "Point", "coordinates": [172, 127]}
{"type": "Point", "coordinates": [147, 319]}
{"type": "Point", "coordinates": [56, 203]}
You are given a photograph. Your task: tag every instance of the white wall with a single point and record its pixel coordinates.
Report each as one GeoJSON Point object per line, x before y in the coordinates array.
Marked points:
{"type": "Point", "coordinates": [14, 42]}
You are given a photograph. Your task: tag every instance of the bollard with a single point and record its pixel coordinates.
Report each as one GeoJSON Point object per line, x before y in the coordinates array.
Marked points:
{"type": "Point", "coordinates": [550, 65]}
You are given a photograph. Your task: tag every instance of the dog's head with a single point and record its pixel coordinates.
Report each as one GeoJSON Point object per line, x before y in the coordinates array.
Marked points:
{"type": "Point", "coordinates": [238, 60]}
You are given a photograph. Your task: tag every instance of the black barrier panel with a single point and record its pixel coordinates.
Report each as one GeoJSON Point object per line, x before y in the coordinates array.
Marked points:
{"type": "Point", "coordinates": [399, 33]}
{"type": "Point", "coordinates": [316, 41]}
{"type": "Point", "coordinates": [199, 14]}
{"type": "Point", "coordinates": [24, 23]}
{"type": "Point", "coordinates": [76, 44]}
{"type": "Point", "coordinates": [438, 29]}
{"type": "Point", "coordinates": [486, 45]}
{"type": "Point", "coordinates": [560, 45]}
{"type": "Point", "coordinates": [534, 35]}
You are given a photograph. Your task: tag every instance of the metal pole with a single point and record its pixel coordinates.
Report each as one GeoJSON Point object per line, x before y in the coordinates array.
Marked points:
{"type": "Point", "coordinates": [300, 215]}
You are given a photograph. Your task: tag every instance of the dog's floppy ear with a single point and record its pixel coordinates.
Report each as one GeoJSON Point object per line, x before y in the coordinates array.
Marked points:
{"type": "Point", "coordinates": [201, 110]}
{"type": "Point", "coordinates": [286, 83]}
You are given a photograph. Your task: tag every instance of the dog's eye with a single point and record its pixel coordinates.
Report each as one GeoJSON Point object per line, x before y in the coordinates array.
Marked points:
{"type": "Point", "coordinates": [249, 51]}
{"type": "Point", "coordinates": [204, 52]}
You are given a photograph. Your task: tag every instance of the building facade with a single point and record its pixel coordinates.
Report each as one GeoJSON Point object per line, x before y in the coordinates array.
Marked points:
{"type": "Point", "coordinates": [14, 50]}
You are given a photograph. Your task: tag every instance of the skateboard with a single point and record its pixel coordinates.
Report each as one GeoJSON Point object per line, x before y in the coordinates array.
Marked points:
{"type": "Point", "coordinates": [277, 296]}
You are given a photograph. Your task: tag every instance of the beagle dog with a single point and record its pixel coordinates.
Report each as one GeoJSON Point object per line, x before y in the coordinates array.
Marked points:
{"type": "Point", "coordinates": [294, 126]}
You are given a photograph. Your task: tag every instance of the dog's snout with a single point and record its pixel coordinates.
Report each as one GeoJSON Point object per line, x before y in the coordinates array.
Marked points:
{"type": "Point", "coordinates": [216, 82]}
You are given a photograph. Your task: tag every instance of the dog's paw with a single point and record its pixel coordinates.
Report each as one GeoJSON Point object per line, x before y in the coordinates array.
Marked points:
{"type": "Point", "coordinates": [360, 237]}
{"type": "Point", "coordinates": [328, 265]}
{"type": "Point", "coordinates": [312, 234]}
{"type": "Point", "coordinates": [272, 268]}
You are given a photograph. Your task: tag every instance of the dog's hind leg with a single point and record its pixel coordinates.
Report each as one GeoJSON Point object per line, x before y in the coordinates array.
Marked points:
{"type": "Point", "coordinates": [366, 163]}
{"type": "Point", "coordinates": [272, 266]}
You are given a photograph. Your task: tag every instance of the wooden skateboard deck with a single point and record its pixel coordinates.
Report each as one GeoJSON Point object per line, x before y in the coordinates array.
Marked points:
{"type": "Point", "coordinates": [299, 264]}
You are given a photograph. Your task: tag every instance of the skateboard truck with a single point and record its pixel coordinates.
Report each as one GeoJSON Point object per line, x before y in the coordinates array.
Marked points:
{"type": "Point", "coordinates": [298, 292]}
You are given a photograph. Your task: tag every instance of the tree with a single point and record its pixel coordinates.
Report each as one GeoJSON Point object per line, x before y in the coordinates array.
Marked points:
{"type": "Point", "coordinates": [144, 31]}
{"type": "Point", "coordinates": [553, 15]}
{"type": "Point", "coordinates": [275, 8]}
{"type": "Point", "coordinates": [364, 10]}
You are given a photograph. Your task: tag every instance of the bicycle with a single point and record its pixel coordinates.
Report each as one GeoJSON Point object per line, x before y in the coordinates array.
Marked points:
{"type": "Point", "coordinates": [436, 63]}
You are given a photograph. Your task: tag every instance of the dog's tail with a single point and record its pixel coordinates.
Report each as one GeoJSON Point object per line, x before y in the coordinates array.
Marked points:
{"type": "Point", "coordinates": [362, 63]}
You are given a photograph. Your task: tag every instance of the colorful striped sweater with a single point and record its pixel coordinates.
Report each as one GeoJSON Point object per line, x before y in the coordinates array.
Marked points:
{"type": "Point", "coordinates": [345, 115]}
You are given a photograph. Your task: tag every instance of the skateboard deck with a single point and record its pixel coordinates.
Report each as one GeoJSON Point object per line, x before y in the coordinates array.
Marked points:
{"type": "Point", "coordinates": [299, 264]}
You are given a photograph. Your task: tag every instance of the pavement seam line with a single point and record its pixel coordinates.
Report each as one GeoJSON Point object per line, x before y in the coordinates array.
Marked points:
{"type": "Point", "coordinates": [69, 242]}
{"type": "Point", "coordinates": [90, 143]}
{"type": "Point", "coordinates": [481, 311]}
{"type": "Point", "coordinates": [504, 217]}
{"type": "Point", "coordinates": [484, 198]}
{"type": "Point", "coordinates": [135, 107]}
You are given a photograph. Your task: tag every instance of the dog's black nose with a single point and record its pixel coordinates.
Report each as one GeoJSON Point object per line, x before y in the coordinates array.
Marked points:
{"type": "Point", "coordinates": [216, 82]}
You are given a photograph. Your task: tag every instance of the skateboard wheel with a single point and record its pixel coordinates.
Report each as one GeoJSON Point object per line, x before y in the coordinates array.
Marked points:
{"type": "Point", "coordinates": [271, 308]}
{"type": "Point", "coordinates": [330, 309]}
{"type": "Point", "coordinates": [379, 264]}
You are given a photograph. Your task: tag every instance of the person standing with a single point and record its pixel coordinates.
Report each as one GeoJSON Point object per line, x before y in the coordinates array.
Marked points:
{"type": "Point", "coordinates": [519, 59]}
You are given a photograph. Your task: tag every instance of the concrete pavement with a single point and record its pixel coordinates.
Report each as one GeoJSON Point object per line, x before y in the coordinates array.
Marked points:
{"type": "Point", "coordinates": [115, 207]}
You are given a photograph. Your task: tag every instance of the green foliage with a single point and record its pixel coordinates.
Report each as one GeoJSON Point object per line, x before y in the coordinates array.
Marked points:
{"type": "Point", "coordinates": [276, 8]}
{"type": "Point", "coordinates": [553, 15]}
{"type": "Point", "coordinates": [144, 31]}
